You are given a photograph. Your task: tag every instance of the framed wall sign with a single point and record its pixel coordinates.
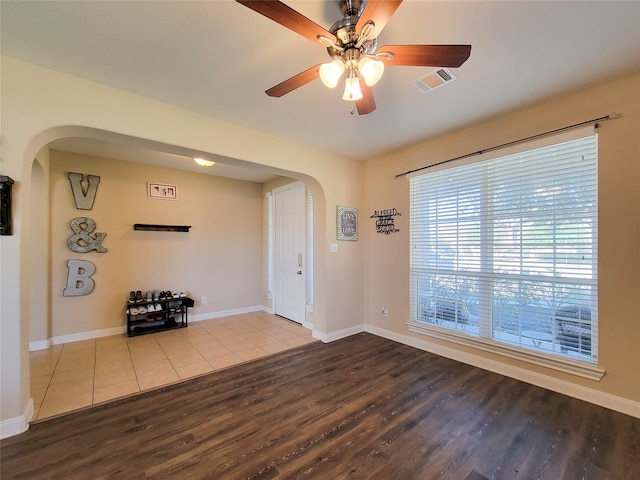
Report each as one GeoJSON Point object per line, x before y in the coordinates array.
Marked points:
{"type": "Point", "coordinates": [384, 220]}
{"type": "Point", "coordinates": [162, 191]}
{"type": "Point", "coordinates": [347, 223]}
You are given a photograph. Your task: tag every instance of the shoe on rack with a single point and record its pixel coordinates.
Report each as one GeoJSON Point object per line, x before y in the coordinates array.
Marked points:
{"type": "Point", "coordinates": [156, 295]}
{"type": "Point", "coordinates": [132, 297]}
{"type": "Point", "coordinates": [182, 294]}
{"type": "Point", "coordinates": [134, 311]}
{"type": "Point", "coordinates": [158, 307]}
{"type": "Point", "coordinates": [149, 296]}
{"type": "Point", "coordinates": [142, 310]}
{"type": "Point", "coordinates": [175, 295]}
{"type": "Point", "coordinates": [138, 296]}
{"type": "Point", "coordinates": [151, 308]}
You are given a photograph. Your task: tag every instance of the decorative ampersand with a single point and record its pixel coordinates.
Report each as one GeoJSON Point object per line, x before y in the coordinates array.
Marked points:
{"type": "Point", "coordinates": [81, 241]}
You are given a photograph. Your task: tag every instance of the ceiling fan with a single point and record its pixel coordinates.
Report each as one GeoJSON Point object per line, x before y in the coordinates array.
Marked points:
{"type": "Point", "coordinates": [352, 43]}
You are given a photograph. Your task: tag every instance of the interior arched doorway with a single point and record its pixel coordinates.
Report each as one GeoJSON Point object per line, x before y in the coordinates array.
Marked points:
{"type": "Point", "coordinates": [40, 317]}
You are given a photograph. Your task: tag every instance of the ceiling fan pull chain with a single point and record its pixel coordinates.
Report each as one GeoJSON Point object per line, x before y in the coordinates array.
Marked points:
{"type": "Point", "coordinates": [352, 111]}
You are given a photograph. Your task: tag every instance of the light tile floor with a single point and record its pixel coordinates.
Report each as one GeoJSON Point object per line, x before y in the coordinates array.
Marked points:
{"type": "Point", "coordinates": [75, 375]}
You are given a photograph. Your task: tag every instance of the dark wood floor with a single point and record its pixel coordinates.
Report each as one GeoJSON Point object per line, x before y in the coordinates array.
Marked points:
{"type": "Point", "coordinates": [362, 407]}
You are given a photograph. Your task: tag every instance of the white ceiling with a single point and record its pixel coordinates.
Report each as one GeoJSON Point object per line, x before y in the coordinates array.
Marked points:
{"type": "Point", "coordinates": [218, 58]}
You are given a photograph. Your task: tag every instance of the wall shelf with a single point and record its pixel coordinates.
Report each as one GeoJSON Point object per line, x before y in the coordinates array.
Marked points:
{"type": "Point", "coordinates": [161, 228]}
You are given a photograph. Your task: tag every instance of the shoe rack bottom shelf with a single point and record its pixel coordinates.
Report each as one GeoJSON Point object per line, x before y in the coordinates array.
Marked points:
{"type": "Point", "coordinates": [171, 314]}
{"type": "Point", "coordinates": [153, 327]}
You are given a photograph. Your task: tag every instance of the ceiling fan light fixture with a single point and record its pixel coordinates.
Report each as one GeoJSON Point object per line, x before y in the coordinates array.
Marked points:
{"type": "Point", "coordinates": [331, 72]}
{"type": "Point", "coordinates": [352, 90]}
{"type": "Point", "coordinates": [371, 70]}
{"type": "Point", "coordinates": [204, 163]}
{"type": "Point", "coordinates": [347, 46]}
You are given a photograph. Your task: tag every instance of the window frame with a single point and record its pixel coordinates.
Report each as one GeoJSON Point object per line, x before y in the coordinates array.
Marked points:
{"type": "Point", "coordinates": [586, 368]}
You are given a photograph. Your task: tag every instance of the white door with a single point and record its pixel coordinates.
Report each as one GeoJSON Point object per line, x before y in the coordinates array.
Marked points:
{"type": "Point", "coordinates": [289, 252]}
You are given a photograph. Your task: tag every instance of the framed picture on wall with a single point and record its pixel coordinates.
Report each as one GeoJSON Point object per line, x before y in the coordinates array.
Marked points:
{"type": "Point", "coordinates": [347, 223]}
{"type": "Point", "coordinates": [162, 191]}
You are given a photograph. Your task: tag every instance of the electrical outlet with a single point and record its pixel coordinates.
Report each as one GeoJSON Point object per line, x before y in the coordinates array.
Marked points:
{"type": "Point", "coordinates": [204, 300]}
{"type": "Point", "coordinates": [385, 312]}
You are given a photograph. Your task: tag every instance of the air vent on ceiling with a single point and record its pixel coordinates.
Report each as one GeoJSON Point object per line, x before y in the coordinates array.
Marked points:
{"type": "Point", "coordinates": [434, 79]}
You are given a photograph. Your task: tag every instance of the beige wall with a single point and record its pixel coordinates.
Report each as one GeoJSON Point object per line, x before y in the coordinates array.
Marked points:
{"type": "Point", "coordinates": [386, 271]}
{"type": "Point", "coordinates": [220, 257]}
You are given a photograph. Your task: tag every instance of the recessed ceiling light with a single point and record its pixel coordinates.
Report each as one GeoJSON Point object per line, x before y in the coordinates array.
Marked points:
{"type": "Point", "coordinates": [204, 163]}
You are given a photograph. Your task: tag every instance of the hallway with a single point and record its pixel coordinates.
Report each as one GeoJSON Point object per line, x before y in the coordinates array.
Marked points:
{"type": "Point", "coordinates": [75, 375]}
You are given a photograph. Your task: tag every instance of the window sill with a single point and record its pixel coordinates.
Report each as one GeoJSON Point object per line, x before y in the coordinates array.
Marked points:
{"type": "Point", "coordinates": [585, 370]}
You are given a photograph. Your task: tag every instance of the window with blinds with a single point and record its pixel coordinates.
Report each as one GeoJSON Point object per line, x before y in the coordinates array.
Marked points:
{"type": "Point", "coordinates": [505, 248]}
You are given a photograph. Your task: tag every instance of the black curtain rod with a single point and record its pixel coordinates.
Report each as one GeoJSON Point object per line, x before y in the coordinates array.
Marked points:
{"type": "Point", "coordinates": [514, 142]}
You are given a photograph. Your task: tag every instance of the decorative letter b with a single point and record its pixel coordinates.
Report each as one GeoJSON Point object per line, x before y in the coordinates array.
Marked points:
{"type": "Point", "coordinates": [79, 279]}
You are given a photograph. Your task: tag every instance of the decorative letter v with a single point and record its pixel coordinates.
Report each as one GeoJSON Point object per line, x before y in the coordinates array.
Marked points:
{"type": "Point", "coordinates": [83, 201]}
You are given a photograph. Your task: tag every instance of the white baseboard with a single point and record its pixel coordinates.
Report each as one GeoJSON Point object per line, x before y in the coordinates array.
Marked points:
{"type": "Point", "coordinates": [39, 345]}
{"type": "Point", "coordinates": [333, 336]}
{"type": "Point", "coordinates": [107, 332]}
{"type": "Point", "coordinates": [75, 337]}
{"type": "Point", "coordinates": [237, 311]}
{"type": "Point", "coordinates": [227, 313]}
{"type": "Point", "coordinates": [17, 425]}
{"type": "Point", "coordinates": [612, 402]}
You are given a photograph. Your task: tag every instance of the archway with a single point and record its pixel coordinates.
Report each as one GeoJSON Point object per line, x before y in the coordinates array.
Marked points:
{"type": "Point", "coordinates": [40, 312]}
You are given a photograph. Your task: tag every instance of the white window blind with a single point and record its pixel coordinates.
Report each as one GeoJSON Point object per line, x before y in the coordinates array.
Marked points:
{"type": "Point", "coordinates": [505, 248]}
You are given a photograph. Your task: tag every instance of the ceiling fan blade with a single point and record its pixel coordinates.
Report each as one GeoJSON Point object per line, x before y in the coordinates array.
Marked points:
{"type": "Point", "coordinates": [379, 12]}
{"type": "Point", "coordinates": [366, 104]}
{"type": "Point", "coordinates": [294, 82]}
{"type": "Point", "coordinates": [427, 55]}
{"type": "Point", "coordinates": [289, 18]}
